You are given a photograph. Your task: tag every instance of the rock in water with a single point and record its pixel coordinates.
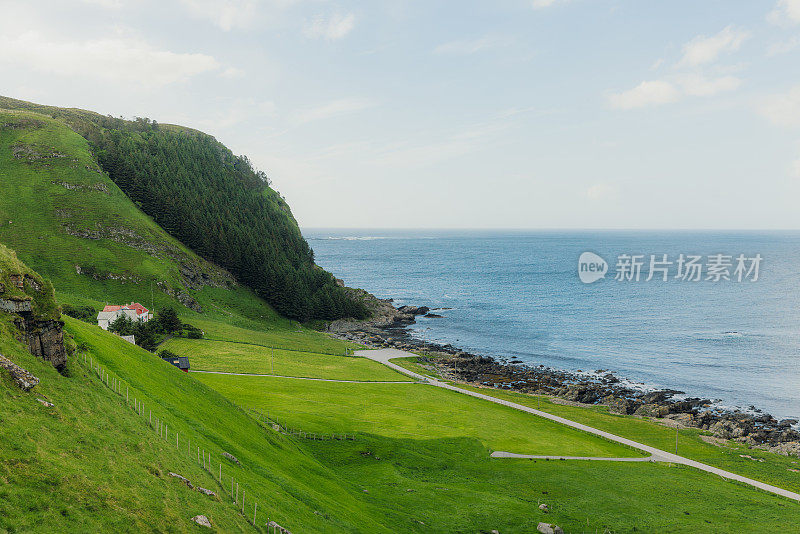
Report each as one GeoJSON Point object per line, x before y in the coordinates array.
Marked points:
{"type": "Point", "coordinates": [202, 521]}
{"type": "Point", "coordinates": [548, 528]}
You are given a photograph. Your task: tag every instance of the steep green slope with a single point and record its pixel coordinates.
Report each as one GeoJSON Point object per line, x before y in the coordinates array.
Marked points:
{"type": "Point", "coordinates": [69, 221]}
{"type": "Point", "coordinates": [88, 463]}
{"type": "Point", "coordinates": [212, 201]}
{"type": "Point", "coordinates": [289, 485]}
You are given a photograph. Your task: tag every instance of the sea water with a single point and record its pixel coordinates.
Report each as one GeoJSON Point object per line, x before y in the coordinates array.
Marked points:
{"type": "Point", "coordinates": [516, 295]}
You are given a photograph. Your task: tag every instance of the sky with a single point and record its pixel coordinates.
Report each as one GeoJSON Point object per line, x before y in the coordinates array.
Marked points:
{"type": "Point", "coordinates": [402, 114]}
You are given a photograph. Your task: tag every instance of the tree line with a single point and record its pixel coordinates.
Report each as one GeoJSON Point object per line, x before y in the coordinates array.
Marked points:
{"type": "Point", "coordinates": [218, 205]}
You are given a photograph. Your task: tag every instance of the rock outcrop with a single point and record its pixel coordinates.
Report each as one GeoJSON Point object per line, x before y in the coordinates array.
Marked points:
{"type": "Point", "coordinates": [45, 339]}
{"type": "Point", "coordinates": [202, 520]}
{"type": "Point", "coordinates": [30, 301]}
{"type": "Point", "coordinates": [24, 379]}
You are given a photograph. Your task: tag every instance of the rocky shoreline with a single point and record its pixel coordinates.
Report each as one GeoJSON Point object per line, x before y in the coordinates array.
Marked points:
{"type": "Point", "coordinates": [388, 327]}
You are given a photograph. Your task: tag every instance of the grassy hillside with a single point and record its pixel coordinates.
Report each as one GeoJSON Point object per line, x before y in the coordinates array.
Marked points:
{"type": "Point", "coordinates": [68, 220]}
{"type": "Point", "coordinates": [89, 464]}
{"type": "Point", "coordinates": [197, 190]}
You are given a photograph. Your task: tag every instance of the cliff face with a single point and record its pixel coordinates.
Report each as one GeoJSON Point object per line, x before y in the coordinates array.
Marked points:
{"type": "Point", "coordinates": [45, 339]}
{"type": "Point", "coordinates": [29, 302]}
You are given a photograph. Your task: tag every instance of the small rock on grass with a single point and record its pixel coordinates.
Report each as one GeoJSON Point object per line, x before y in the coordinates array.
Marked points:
{"type": "Point", "coordinates": [231, 457]}
{"type": "Point", "coordinates": [206, 491]}
{"type": "Point", "coordinates": [544, 508]}
{"type": "Point", "coordinates": [182, 479]}
{"type": "Point", "coordinates": [202, 520]}
{"type": "Point", "coordinates": [549, 528]}
{"type": "Point", "coordinates": [44, 402]}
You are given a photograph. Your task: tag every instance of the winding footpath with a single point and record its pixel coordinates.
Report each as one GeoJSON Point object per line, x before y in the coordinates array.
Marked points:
{"type": "Point", "coordinates": [657, 455]}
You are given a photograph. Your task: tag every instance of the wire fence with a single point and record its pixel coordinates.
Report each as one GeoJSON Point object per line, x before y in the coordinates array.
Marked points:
{"type": "Point", "coordinates": [211, 462]}
{"type": "Point", "coordinates": [275, 423]}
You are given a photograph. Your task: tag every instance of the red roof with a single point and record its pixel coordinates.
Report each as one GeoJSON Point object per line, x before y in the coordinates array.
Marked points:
{"type": "Point", "coordinates": [135, 306]}
{"type": "Point", "coordinates": [138, 307]}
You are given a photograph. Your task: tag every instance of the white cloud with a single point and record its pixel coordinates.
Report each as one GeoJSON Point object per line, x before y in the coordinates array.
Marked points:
{"type": "Point", "coordinates": [786, 13]}
{"type": "Point", "coordinates": [647, 93]}
{"type": "Point", "coordinates": [332, 109]}
{"type": "Point", "coordinates": [542, 4]}
{"type": "Point", "coordinates": [783, 47]}
{"type": "Point", "coordinates": [331, 28]}
{"type": "Point", "coordinates": [658, 92]}
{"type": "Point", "coordinates": [783, 109]}
{"type": "Point", "coordinates": [227, 14]}
{"type": "Point", "coordinates": [796, 168]}
{"type": "Point", "coordinates": [601, 191]}
{"type": "Point", "coordinates": [466, 47]}
{"type": "Point", "coordinates": [697, 85]}
{"type": "Point", "coordinates": [232, 72]}
{"type": "Point", "coordinates": [704, 49]}
{"type": "Point", "coordinates": [118, 60]}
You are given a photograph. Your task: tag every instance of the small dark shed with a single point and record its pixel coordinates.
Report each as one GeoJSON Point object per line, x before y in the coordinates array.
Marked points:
{"type": "Point", "coordinates": [181, 362]}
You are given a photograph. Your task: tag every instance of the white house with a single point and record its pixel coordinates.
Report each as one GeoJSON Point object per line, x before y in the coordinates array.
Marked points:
{"type": "Point", "coordinates": [134, 311]}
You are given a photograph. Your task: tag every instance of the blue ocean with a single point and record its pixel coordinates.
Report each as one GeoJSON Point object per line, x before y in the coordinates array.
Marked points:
{"type": "Point", "coordinates": [516, 295]}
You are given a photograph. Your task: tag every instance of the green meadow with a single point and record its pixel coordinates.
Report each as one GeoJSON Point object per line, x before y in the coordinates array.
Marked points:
{"type": "Point", "coordinates": [417, 411]}
{"type": "Point", "coordinates": [241, 357]}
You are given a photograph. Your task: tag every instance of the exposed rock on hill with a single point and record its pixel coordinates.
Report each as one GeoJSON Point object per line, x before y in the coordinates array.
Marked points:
{"type": "Point", "coordinates": [30, 302]}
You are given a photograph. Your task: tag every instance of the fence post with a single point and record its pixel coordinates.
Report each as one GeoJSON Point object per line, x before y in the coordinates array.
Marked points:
{"type": "Point", "coordinates": [177, 446]}
{"type": "Point", "coordinates": [220, 474]}
{"type": "Point", "coordinates": [237, 492]}
{"type": "Point", "coordinates": [255, 510]}
{"type": "Point", "coordinates": [242, 500]}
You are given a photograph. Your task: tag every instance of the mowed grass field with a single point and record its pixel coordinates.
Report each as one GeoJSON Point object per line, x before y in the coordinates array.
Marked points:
{"type": "Point", "coordinates": [410, 411]}
{"type": "Point", "coordinates": [286, 334]}
{"type": "Point", "coordinates": [775, 469]}
{"type": "Point", "coordinates": [233, 357]}
{"type": "Point", "coordinates": [449, 485]}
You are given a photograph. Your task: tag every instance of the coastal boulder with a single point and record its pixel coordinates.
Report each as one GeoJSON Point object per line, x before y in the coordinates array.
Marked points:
{"type": "Point", "coordinates": [413, 310]}
{"type": "Point", "coordinates": [728, 429]}
{"type": "Point", "coordinates": [652, 410]}
{"type": "Point", "coordinates": [583, 393]}
{"type": "Point", "coordinates": [620, 406]}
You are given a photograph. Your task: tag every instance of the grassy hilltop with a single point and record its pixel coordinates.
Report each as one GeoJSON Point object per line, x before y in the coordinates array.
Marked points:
{"type": "Point", "coordinates": [190, 185]}
{"type": "Point", "coordinates": [419, 458]}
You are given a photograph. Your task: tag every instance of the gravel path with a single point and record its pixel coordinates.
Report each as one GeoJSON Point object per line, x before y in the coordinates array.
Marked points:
{"type": "Point", "coordinates": [503, 454]}
{"type": "Point", "coordinates": [384, 355]}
